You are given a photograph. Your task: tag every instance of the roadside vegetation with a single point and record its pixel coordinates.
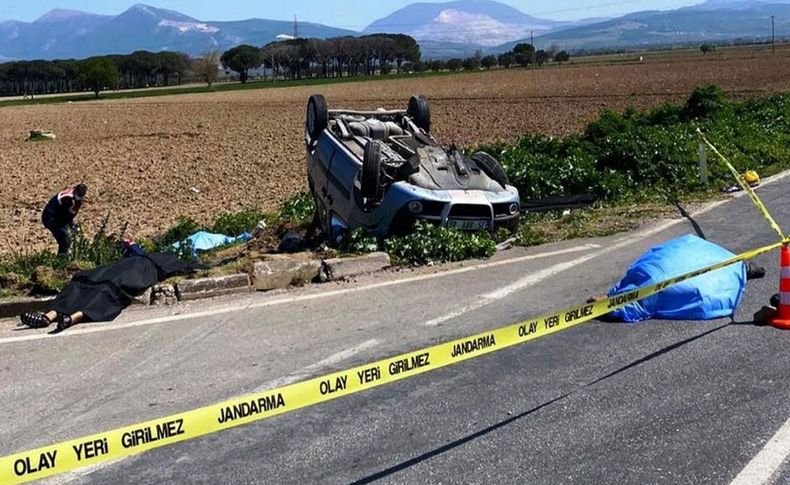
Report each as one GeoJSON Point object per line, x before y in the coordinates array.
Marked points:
{"type": "Point", "coordinates": [652, 156]}
{"type": "Point", "coordinates": [639, 165]}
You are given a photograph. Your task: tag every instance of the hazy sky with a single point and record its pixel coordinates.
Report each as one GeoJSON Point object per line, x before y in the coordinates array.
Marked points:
{"type": "Point", "coordinates": [350, 14]}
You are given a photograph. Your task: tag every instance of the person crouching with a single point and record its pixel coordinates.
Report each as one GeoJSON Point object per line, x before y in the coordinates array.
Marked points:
{"type": "Point", "coordinates": [59, 214]}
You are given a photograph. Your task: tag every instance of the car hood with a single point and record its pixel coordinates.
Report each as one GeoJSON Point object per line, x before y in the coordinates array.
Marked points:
{"type": "Point", "coordinates": [441, 169]}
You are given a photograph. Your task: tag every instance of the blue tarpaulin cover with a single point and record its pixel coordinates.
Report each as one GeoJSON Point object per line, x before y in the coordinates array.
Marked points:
{"type": "Point", "coordinates": [203, 241]}
{"type": "Point", "coordinates": [712, 295]}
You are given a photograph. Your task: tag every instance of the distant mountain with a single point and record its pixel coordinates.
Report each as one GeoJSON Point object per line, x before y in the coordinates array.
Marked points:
{"type": "Point", "coordinates": [473, 22]}
{"type": "Point", "coordinates": [734, 4]}
{"type": "Point", "coordinates": [712, 21]}
{"type": "Point", "coordinates": [73, 34]}
{"type": "Point", "coordinates": [450, 29]}
{"type": "Point", "coordinates": [57, 27]}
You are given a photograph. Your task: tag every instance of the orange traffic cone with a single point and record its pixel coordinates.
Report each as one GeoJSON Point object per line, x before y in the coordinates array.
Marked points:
{"type": "Point", "coordinates": [782, 317]}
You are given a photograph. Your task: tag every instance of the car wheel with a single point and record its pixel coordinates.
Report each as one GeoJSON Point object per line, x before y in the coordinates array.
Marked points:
{"type": "Point", "coordinates": [371, 171]}
{"type": "Point", "coordinates": [317, 117]}
{"type": "Point", "coordinates": [491, 167]}
{"type": "Point", "coordinates": [420, 112]}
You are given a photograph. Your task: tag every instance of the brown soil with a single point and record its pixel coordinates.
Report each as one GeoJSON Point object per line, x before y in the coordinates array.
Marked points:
{"type": "Point", "coordinates": [149, 160]}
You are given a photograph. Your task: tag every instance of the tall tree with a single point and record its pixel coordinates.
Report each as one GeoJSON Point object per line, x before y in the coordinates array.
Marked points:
{"type": "Point", "coordinates": [455, 64]}
{"type": "Point", "coordinates": [488, 62]}
{"type": "Point", "coordinates": [206, 67]}
{"type": "Point", "coordinates": [541, 57]}
{"type": "Point", "coordinates": [98, 74]}
{"type": "Point", "coordinates": [524, 54]}
{"type": "Point", "coordinates": [172, 64]}
{"type": "Point", "coordinates": [242, 59]}
{"type": "Point", "coordinates": [562, 56]}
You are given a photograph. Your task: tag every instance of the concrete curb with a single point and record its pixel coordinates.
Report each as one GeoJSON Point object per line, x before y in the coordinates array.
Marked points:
{"type": "Point", "coordinates": [17, 306]}
{"type": "Point", "coordinates": [282, 271]}
{"type": "Point", "coordinates": [276, 272]}
{"type": "Point", "coordinates": [342, 268]}
{"type": "Point", "coordinates": [211, 287]}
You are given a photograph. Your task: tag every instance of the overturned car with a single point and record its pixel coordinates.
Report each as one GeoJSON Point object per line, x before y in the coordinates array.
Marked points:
{"type": "Point", "coordinates": [382, 170]}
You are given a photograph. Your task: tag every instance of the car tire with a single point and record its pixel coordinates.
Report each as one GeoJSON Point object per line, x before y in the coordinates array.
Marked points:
{"type": "Point", "coordinates": [491, 167]}
{"type": "Point", "coordinates": [420, 112]}
{"type": "Point", "coordinates": [371, 171]}
{"type": "Point", "coordinates": [317, 117]}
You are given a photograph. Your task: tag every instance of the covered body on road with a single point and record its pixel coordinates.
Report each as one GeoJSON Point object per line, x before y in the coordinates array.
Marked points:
{"type": "Point", "coordinates": [709, 296]}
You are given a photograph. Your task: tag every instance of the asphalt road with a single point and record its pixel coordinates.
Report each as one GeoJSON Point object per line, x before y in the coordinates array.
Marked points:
{"type": "Point", "coordinates": [657, 402]}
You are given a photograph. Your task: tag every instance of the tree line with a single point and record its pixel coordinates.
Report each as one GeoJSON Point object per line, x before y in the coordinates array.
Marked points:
{"type": "Point", "coordinates": [324, 58]}
{"type": "Point", "coordinates": [521, 55]}
{"type": "Point", "coordinates": [293, 59]}
{"type": "Point", "coordinates": [288, 59]}
{"type": "Point", "coordinates": [140, 69]}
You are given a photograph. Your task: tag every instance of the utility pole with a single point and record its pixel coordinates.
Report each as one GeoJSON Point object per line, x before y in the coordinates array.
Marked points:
{"type": "Point", "coordinates": [773, 36]}
{"type": "Point", "coordinates": [534, 51]}
{"type": "Point", "coordinates": [296, 28]}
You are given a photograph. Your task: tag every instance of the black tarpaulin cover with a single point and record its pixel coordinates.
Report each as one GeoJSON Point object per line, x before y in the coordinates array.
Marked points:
{"type": "Point", "coordinates": [101, 294]}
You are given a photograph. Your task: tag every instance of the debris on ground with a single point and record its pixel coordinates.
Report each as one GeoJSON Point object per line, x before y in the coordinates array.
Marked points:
{"type": "Point", "coordinates": [751, 177]}
{"type": "Point", "coordinates": [291, 242]}
{"type": "Point", "coordinates": [39, 135]}
{"type": "Point", "coordinates": [205, 241]}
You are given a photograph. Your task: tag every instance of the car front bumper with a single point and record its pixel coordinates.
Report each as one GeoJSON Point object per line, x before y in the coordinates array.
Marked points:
{"type": "Point", "coordinates": [461, 209]}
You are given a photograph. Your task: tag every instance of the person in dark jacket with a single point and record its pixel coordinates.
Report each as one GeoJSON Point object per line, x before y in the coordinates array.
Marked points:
{"type": "Point", "coordinates": [60, 212]}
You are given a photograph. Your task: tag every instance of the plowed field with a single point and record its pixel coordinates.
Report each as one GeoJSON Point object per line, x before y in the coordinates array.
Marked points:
{"type": "Point", "coordinates": [146, 161]}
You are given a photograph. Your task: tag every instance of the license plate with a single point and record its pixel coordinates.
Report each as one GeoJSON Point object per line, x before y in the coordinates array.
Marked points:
{"type": "Point", "coordinates": [467, 224]}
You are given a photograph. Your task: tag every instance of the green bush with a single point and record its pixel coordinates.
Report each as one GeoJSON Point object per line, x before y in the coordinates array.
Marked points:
{"type": "Point", "coordinates": [184, 251]}
{"type": "Point", "coordinates": [705, 101]}
{"type": "Point", "coordinates": [48, 281]}
{"type": "Point", "coordinates": [299, 209]}
{"type": "Point", "coordinates": [359, 241]}
{"type": "Point", "coordinates": [652, 155]}
{"type": "Point", "coordinates": [26, 263]}
{"type": "Point", "coordinates": [46, 273]}
{"type": "Point", "coordinates": [527, 236]}
{"type": "Point", "coordinates": [236, 223]}
{"type": "Point", "coordinates": [102, 248]}
{"type": "Point", "coordinates": [429, 243]}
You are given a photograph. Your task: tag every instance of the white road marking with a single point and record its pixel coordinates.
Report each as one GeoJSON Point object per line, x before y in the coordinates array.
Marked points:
{"type": "Point", "coordinates": [310, 369]}
{"type": "Point", "coordinates": [102, 327]}
{"type": "Point", "coordinates": [505, 291]}
{"type": "Point", "coordinates": [496, 295]}
{"type": "Point", "coordinates": [763, 467]}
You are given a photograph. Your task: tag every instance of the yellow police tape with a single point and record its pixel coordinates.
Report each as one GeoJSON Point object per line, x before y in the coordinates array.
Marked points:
{"type": "Point", "coordinates": [746, 187]}
{"type": "Point", "coordinates": [130, 440]}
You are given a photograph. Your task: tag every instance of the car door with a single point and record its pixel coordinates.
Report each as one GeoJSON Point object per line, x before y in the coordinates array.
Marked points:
{"type": "Point", "coordinates": [319, 163]}
{"type": "Point", "coordinates": [342, 173]}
